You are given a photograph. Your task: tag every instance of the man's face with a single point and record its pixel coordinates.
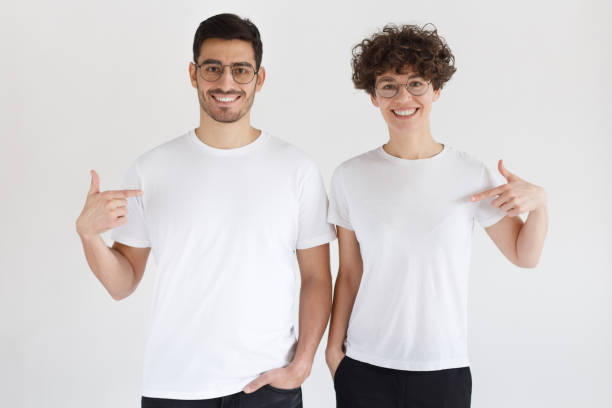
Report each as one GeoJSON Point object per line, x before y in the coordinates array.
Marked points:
{"type": "Point", "coordinates": [404, 111]}
{"type": "Point", "coordinates": [226, 100]}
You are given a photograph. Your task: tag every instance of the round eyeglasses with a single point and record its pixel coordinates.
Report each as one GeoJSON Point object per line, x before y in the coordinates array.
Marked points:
{"type": "Point", "coordinates": [242, 72]}
{"type": "Point", "coordinates": [390, 88]}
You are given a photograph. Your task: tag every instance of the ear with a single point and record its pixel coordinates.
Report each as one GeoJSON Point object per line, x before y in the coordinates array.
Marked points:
{"type": "Point", "coordinates": [192, 75]}
{"type": "Point", "coordinates": [374, 100]}
{"type": "Point", "coordinates": [260, 78]}
{"type": "Point", "coordinates": [436, 95]}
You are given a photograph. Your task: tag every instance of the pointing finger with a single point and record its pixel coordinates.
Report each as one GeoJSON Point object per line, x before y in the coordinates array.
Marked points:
{"type": "Point", "coordinates": [489, 193]}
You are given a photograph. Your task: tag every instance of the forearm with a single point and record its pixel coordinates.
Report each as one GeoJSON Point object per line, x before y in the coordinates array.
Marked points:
{"type": "Point", "coordinates": [344, 297]}
{"type": "Point", "coordinates": [109, 266]}
{"type": "Point", "coordinates": [530, 240]}
{"type": "Point", "coordinates": [315, 306]}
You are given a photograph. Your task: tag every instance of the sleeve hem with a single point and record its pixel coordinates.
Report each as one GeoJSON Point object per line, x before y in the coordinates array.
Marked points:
{"type": "Point", "coordinates": [320, 240]}
{"type": "Point", "coordinates": [492, 220]}
{"type": "Point", "coordinates": [337, 221]}
{"type": "Point", "coordinates": [131, 242]}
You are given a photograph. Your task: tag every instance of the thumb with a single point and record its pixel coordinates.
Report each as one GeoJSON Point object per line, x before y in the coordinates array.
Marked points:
{"type": "Point", "coordinates": [95, 183]}
{"type": "Point", "coordinates": [504, 172]}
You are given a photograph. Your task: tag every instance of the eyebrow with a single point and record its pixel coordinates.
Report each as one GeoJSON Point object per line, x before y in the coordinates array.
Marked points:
{"type": "Point", "coordinates": [392, 79]}
{"type": "Point", "coordinates": [214, 61]}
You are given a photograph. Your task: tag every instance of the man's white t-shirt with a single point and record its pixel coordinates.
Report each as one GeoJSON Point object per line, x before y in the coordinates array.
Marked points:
{"type": "Point", "coordinates": [414, 222]}
{"type": "Point", "coordinates": [223, 226]}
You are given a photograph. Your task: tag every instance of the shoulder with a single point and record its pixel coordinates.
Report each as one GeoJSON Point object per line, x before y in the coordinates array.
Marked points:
{"type": "Point", "coordinates": [463, 158]}
{"type": "Point", "coordinates": [359, 160]}
{"type": "Point", "coordinates": [172, 147]}
{"type": "Point", "coordinates": [290, 155]}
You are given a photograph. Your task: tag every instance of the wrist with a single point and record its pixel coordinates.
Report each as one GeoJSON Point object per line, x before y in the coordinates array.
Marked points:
{"type": "Point", "coordinates": [333, 350]}
{"type": "Point", "coordinates": [301, 367]}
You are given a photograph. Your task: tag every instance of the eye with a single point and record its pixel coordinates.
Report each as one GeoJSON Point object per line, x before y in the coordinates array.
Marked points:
{"type": "Point", "coordinates": [416, 83]}
{"type": "Point", "coordinates": [388, 86]}
{"type": "Point", "coordinates": [240, 70]}
{"type": "Point", "coordinates": [212, 68]}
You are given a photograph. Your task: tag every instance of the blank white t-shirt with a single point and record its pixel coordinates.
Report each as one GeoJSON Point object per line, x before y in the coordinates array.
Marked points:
{"type": "Point", "coordinates": [414, 222]}
{"type": "Point", "coordinates": [223, 226]}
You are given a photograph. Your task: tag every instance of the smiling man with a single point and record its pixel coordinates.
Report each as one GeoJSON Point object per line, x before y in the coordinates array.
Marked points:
{"type": "Point", "coordinates": [233, 215]}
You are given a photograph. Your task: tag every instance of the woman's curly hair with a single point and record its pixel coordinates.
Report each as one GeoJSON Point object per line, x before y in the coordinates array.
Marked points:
{"type": "Point", "coordinates": [400, 47]}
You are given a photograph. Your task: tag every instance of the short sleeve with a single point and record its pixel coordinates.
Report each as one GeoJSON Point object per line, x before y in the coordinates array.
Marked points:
{"type": "Point", "coordinates": [313, 228]}
{"type": "Point", "coordinates": [338, 212]}
{"type": "Point", "coordinates": [486, 214]}
{"type": "Point", "coordinates": [133, 232]}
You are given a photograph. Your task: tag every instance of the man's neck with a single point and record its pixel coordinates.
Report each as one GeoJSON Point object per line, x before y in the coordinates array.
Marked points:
{"type": "Point", "coordinates": [226, 135]}
{"type": "Point", "coordinates": [412, 146]}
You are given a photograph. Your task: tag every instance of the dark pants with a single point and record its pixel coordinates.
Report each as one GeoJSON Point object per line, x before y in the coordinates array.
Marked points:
{"type": "Point", "coordinates": [359, 384]}
{"type": "Point", "coordinates": [265, 397]}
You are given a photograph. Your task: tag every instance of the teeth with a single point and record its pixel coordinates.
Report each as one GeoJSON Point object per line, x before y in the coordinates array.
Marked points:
{"type": "Point", "coordinates": [225, 99]}
{"type": "Point", "coordinates": [405, 112]}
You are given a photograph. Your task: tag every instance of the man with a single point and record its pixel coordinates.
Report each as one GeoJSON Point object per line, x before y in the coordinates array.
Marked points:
{"type": "Point", "coordinates": [405, 213]}
{"type": "Point", "coordinates": [226, 209]}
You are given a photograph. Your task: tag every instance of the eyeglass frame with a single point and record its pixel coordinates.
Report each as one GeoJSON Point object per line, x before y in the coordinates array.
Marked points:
{"type": "Point", "coordinates": [405, 85]}
{"type": "Point", "coordinates": [255, 72]}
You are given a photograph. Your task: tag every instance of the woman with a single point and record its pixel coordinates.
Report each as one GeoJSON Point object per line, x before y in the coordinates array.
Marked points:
{"type": "Point", "coordinates": [405, 213]}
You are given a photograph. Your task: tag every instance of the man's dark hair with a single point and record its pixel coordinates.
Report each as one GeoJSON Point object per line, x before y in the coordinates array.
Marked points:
{"type": "Point", "coordinates": [397, 47]}
{"type": "Point", "coordinates": [228, 27]}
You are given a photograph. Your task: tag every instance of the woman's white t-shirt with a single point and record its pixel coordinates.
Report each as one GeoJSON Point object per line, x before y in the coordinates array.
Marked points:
{"type": "Point", "coordinates": [414, 222]}
{"type": "Point", "coordinates": [223, 226]}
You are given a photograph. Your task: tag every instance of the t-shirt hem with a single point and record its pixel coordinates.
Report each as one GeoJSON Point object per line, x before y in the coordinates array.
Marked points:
{"type": "Point", "coordinates": [204, 394]}
{"type": "Point", "coordinates": [131, 241]}
{"type": "Point", "coordinates": [407, 365]}
{"type": "Point", "coordinates": [320, 240]}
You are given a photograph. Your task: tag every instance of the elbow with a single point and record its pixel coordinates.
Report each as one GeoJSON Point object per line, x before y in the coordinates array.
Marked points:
{"type": "Point", "coordinates": [116, 296]}
{"type": "Point", "coordinates": [527, 263]}
{"type": "Point", "coordinates": [119, 295]}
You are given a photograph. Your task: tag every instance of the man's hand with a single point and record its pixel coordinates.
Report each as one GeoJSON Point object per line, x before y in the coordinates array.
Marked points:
{"type": "Point", "coordinates": [286, 378]}
{"type": "Point", "coordinates": [333, 357]}
{"type": "Point", "coordinates": [516, 196]}
{"type": "Point", "coordinates": [103, 211]}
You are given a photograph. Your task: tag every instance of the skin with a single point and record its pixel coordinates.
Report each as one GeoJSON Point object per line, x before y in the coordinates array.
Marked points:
{"type": "Point", "coordinates": [224, 126]}
{"type": "Point", "coordinates": [410, 138]}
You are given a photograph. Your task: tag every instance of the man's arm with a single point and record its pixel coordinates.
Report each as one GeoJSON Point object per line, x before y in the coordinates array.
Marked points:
{"type": "Point", "coordinates": [347, 286]}
{"type": "Point", "coordinates": [121, 267]}
{"type": "Point", "coordinates": [520, 242]}
{"type": "Point", "coordinates": [315, 306]}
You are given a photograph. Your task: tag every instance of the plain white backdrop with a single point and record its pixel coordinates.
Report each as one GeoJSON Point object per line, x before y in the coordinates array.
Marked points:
{"type": "Point", "coordinates": [94, 84]}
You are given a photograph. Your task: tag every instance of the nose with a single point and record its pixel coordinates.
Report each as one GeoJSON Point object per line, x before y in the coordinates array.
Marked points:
{"type": "Point", "coordinates": [403, 94]}
{"type": "Point", "coordinates": [226, 81]}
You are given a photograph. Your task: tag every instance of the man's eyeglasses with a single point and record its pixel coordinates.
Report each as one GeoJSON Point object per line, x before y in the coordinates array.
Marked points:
{"type": "Point", "coordinates": [242, 72]}
{"type": "Point", "coordinates": [389, 88]}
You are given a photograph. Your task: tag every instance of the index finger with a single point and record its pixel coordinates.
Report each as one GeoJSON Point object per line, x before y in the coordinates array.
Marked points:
{"type": "Point", "coordinates": [256, 384]}
{"type": "Point", "coordinates": [123, 193]}
{"type": "Point", "coordinates": [489, 193]}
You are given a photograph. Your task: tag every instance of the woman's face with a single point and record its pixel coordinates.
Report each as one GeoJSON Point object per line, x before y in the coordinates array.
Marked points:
{"type": "Point", "coordinates": [405, 112]}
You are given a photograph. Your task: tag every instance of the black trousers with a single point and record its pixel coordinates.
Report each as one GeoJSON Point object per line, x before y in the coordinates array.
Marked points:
{"type": "Point", "coordinates": [363, 385]}
{"type": "Point", "coordinates": [265, 397]}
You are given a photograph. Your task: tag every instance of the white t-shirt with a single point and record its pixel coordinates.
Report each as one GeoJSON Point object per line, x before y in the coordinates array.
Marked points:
{"type": "Point", "coordinates": [414, 222]}
{"type": "Point", "coordinates": [223, 226]}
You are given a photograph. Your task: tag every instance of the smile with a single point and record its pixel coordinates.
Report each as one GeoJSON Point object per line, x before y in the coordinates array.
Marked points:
{"type": "Point", "coordinates": [406, 113]}
{"type": "Point", "coordinates": [225, 99]}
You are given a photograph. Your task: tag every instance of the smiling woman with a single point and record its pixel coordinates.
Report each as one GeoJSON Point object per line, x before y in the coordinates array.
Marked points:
{"type": "Point", "coordinates": [410, 263]}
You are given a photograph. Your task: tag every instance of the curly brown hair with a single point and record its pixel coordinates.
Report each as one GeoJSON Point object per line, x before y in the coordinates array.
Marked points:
{"type": "Point", "coordinates": [400, 47]}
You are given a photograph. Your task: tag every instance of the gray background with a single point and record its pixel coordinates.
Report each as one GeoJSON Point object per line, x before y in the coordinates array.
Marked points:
{"type": "Point", "coordinates": [94, 84]}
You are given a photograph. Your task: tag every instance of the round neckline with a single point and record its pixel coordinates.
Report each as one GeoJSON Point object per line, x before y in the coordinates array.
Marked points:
{"type": "Point", "coordinates": [412, 162]}
{"type": "Point", "coordinates": [263, 136]}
